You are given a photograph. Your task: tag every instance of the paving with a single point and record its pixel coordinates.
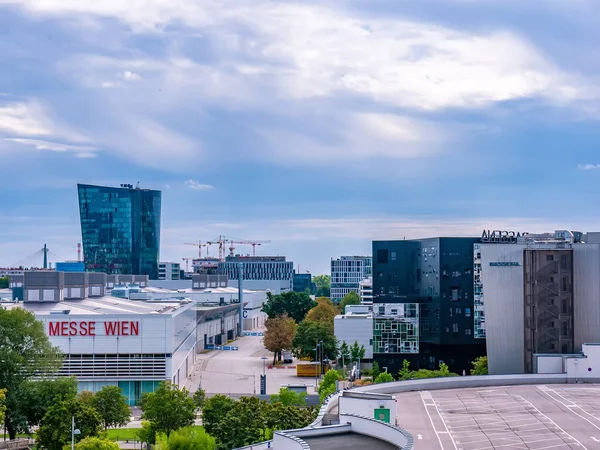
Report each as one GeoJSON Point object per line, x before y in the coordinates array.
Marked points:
{"type": "Point", "coordinates": [347, 441]}
{"type": "Point", "coordinates": [516, 417]}
{"type": "Point", "coordinates": [237, 372]}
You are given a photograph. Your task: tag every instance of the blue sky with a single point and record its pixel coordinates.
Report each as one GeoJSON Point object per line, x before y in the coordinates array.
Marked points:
{"type": "Point", "coordinates": [317, 125]}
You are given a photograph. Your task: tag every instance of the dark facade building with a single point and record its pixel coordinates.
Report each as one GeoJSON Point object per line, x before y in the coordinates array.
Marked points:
{"type": "Point", "coordinates": [436, 275]}
{"type": "Point", "coordinates": [302, 282]}
{"type": "Point", "coordinates": [120, 229]}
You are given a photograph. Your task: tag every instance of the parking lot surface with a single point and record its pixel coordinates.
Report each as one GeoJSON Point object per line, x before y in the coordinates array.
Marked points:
{"type": "Point", "coordinates": [517, 417]}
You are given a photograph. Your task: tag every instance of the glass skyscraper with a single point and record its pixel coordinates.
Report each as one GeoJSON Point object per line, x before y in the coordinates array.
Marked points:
{"type": "Point", "coordinates": [120, 229]}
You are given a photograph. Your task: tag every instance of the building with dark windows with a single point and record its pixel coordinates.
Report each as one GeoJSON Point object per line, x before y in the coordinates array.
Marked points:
{"type": "Point", "coordinates": [261, 273]}
{"type": "Point", "coordinates": [423, 303]}
{"type": "Point", "coordinates": [120, 228]}
{"type": "Point", "coordinates": [346, 274]}
{"type": "Point", "coordinates": [303, 282]}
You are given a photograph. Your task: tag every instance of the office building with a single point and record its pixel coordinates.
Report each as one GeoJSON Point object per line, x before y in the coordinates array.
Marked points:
{"type": "Point", "coordinates": [346, 274]}
{"type": "Point", "coordinates": [169, 271]}
{"type": "Point", "coordinates": [431, 283]}
{"type": "Point", "coordinates": [365, 291]}
{"type": "Point", "coordinates": [540, 297]}
{"type": "Point", "coordinates": [69, 266]}
{"type": "Point", "coordinates": [261, 273]}
{"type": "Point", "coordinates": [120, 229]}
{"type": "Point", "coordinates": [302, 282]}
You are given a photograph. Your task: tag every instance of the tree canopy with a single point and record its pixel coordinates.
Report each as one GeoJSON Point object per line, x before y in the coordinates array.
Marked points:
{"type": "Point", "coordinates": [406, 374]}
{"type": "Point", "coordinates": [199, 398]}
{"type": "Point", "coordinates": [328, 385]}
{"type": "Point", "coordinates": [383, 377]}
{"type": "Point", "coordinates": [293, 304]}
{"type": "Point", "coordinates": [323, 283]}
{"type": "Point", "coordinates": [287, 397]}
{"type": "Point", "coordinates": [310, 333]}
{"type": "Point", "coordinates": [480, 366]}
{"type": "Point", "coordinates": [215, 408]}
{"type": "Point", "coordinates": [323, 312]}
{"type": "Point", "coordinates": [279, 334]}
{"type": "Point", "coordinates": [188, 438]}
{"type": "Point", "coordinates": [2, 404]}
{"type": "Point", "coordinates": [95, 443]}
{"type": "Point", "coordinates": [351, 298]}
{"type": "Point", "coordinates": [4, 283]}
{"type": "Point", "coordinates": [112, 407]}
{"type": "Point", "coordinates": [55, 429]}
{"type": "Point", "coordinates": [168, 408]}
{"type": "Point", "coordinates": [25, 352]}
{"type": "Point", "coordinates": [38, 396]}
{"type": "Point", "coordinates": [357, 352]}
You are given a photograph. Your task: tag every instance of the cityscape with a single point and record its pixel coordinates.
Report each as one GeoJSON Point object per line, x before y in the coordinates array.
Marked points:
{"type": "Point", "coordinates": [299, 225]}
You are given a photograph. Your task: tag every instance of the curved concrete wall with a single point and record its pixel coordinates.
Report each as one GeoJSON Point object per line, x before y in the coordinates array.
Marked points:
{"type": "Point", "coordinates": [379, 430]}
{"type": "Point", "coordinates": [282, 440]}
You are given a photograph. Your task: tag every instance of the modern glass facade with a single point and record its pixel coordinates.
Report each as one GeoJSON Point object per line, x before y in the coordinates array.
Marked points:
{"type": "Point", "coordinates": [120, 229]}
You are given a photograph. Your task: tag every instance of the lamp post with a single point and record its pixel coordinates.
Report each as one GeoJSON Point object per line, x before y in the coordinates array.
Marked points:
{"type": "Point", "coordinates": [321, 360]}
{"type": "Point", "coordinates": [316, 360]}
{"type": "Point", "coordinates": [263, 377]}
{"type": "Point", "coordinates": [73, 432]}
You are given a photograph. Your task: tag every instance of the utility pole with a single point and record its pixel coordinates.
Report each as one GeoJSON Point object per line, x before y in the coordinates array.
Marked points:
{"type": "Point", "coordinates": [241, 297]}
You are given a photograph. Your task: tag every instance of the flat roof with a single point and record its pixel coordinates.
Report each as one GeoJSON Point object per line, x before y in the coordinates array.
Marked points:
{"type": "Point", "coordinates": [97, 306]}
{"type": "Point", "coordinates": [558, 416]}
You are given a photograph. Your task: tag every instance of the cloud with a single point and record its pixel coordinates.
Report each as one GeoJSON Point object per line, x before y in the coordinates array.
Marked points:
{"type": "Point", "coordinates": [588, 166]}
{"type": "Point", "coordinates": [24, 118]}
{"type": "Point", "coordinates": [193, 184]}
{"type": "Point", "coordinates": [131, 76]}
{"type": "Point", "coordinates": [80, 151]}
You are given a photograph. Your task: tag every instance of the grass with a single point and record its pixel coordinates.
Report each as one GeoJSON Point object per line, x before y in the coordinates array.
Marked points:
{"type": "Point", "coordinates": [126, 434]}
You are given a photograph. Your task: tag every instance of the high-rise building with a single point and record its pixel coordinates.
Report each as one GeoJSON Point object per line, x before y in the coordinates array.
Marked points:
{"type": "Point", "coordinates": [423, 303]}
{"type": "Point", "coordinates": [346, 274]}
{"type": "Point", "coordinates": [120, 228]}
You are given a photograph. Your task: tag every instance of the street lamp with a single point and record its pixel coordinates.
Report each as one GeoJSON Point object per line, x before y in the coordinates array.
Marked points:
{"type": "Point", "coordinates": [316, 360]}
{"type": "Point", "coordinates": [73, 432]}
{"type": "Point", "coordinates": [321, 361]}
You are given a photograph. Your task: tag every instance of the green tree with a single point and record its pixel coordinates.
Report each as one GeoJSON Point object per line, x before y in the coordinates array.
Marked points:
{"type": "Point", "coordinates": [2, 404]}
{"type": "Point", "coordinates": [94, 443]}
{"type": "Point", "coordinates": [244, 424]}
{"type": "Point", "coordinates": [86, 397]}
{"type": "Point", "coordinates": [280, 417]}
{"type": "Point", "coordinates": [383, 377]}
{"type": "Point", "coordinates": [344, 353]}
{"type": "Point", "coordinates": [112, 407]}
{"type": "Point", "coordinates": [38, 396]}
{"type": "Point", "coordinates": [215, 408]}
{"type": "Point", "coordinates": [323, 312]}
{"type": "Point", "coordinates": [480, 366]}
{"type": "Point", "coordinates": [293, 304]}
{"type": "Point", "coordinates": [188, 438]}
{"type": "Point", "coordinates": [147, 434]}
{"type": "Point", "coordinates": [357, 352]}
{"type": "Point", "coordinates": [323, 283]}
{"type": "Point", "coordinates": [328, 385]}
{"type": "Point", "coordinates": [279, 334]}
{"type": "Point", "coordinates": [309, 334]}
{"type": "Point", "coordinates": [4, 283]}
{"type": "Point", "coordinates": [168, 408]}
{"type": "Point", "coordinates": [199, 398]}
{"type": "Point", "coordinates": [376, 369]}
{"type": "Point", "coordinates": [405, 373]}
{"type": "Point", "coordinates": [351, 298]}
{"type": "Point", "coordinates": [55, 429]}
{"type": "Point", "coordinates": [287, 397]}
{"type": "Point", "coordinates": [25, 352]}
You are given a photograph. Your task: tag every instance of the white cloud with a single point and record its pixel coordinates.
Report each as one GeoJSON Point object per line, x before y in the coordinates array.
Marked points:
{"type": "Point", "coordinates": [588, 166]}
{"type": "Point", "coordinates": [131, 76]}
{"type": "Point", "coordinates": [24, 118]}
{"type": "Point", "coordinates": [193, 184]}
{"type": "Point", "coordinates": [80, 151]}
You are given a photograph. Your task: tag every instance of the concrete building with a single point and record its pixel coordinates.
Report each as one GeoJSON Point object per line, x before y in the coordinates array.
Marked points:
{"type": "Point", "coordinates": [261, 273]}
{"type": "Point", "coordinates": [346, 274]}
{"type": "Point", "coordinates": [550, 283]}
{"type": "Point", "coordinates": [356, 326]}
{"type": "Point", "coordinates": [365, 291]}
{"type": "Point", "coordinates": [169, 271]}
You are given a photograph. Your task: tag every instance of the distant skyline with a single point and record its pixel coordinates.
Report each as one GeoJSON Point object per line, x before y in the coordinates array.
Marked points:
{"type": "Point", "coordinates": [317, 125]}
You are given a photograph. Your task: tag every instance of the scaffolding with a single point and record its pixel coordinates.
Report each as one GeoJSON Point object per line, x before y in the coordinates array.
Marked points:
{"type": "Point", "coordinates": [548, 302]}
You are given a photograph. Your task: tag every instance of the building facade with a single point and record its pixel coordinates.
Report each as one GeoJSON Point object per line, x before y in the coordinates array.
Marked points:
{"type": "Point", "coordinates": [435, 275]}
{"type": "Point", "coordinates": [346, 274]}
{"type": "Point", "coordinates": [302, 282]}
{"type": "Point", "coordinates": [365, 291]}
{"type": "Point", "coordinates": [272, 273]}
{"type": "Point", "coordinates": [120, 229]}
{"type": "Point", "coordinates": [169, 271]}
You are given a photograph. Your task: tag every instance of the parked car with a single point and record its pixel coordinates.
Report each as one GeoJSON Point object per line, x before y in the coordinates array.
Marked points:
{"type": "Point", "coordinates": [287, 357]}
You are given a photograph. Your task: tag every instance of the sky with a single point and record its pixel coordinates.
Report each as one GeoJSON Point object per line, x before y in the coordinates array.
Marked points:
{"type": "Point", "coordinates": [317, 125]}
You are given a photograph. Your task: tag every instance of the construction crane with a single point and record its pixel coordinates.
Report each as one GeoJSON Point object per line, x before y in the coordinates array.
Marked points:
{"type": "Point", "coordinates": [200, 245]}
{"type": "Point", "coordinates": [187, 263]}
{"type": "Point", "coordinates": [221, 241]}
{"type": "Point", "coordinates": [234, 241]}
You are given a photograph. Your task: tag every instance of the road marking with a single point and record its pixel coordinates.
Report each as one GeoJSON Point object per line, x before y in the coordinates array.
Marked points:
{"type": "Point", "coordinates": [595, 439]}
{"type": "Point", "coordinates": [419, 436]}
{"type": "Point", "coordinates": [424, 395]}
{"type": "Point", "coordinates": [569, 407]}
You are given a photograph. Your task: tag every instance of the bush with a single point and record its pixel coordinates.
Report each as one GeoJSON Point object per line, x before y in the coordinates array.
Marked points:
{"type": "Point", "coordinates": [94, 443]}
{"type": "Point", "coordinates": [189, 438]}
{"type": "Point", "coordinates": [383, 377]}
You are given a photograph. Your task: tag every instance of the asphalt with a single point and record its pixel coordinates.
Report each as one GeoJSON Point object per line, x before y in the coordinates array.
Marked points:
{"type": "Point", "coordinates": [557, 417]}
{"type": "Point", "coordinates": [348, 441]}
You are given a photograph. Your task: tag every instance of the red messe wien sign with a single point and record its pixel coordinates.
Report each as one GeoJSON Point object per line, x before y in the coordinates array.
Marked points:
{"type": "Point", "coordinates": [90, 328]}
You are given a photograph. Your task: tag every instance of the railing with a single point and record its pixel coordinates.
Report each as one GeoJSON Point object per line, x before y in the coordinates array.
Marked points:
{"type": "Point", "coordinates": [283, 440]}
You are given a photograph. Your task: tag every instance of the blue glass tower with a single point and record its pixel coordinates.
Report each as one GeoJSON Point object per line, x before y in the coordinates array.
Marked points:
{"type": "Point", "coordinates": [120, 229]}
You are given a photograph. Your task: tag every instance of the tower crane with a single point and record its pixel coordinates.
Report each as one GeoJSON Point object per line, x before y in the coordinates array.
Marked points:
{"type": "Point", "coordinates": [187, 263]}
{"type": "Point", "coordinates": [200, 245]}
{"type": "Point", "coordinates": [233, 241]}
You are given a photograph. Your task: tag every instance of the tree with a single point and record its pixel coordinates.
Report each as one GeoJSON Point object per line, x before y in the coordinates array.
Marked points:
{"type": "Point", "coordinates": [4, 283]}
{"type": "Point", "coordinates": [323, 312]}
{"type": "Point", "coordinates": [94, 443]}
{"type": "Point", "coordinates": [323, 283]}
{"type": "Point", "coordinates": [351, 298]}
{"type": "Point", "coordinates": [309, 334]}
{"type": "Point", "coordinates": [199, 398]}
{"type": "Point", "coordinates": [376, 370]}
{"type": "Point", "coordinates": [55, 429]}
{"type": "Point", "coordinates": [287, 397]}
{"type": "Point", "coordinates": [328, 385]}
{"type": "Point", "coordinates": [357, 352]}
{"type": "Point", "coordinates": [480, 366]}
{"type": "Point", "coordinates": [188, 438]}
{"type": "Point", "coordinates": [280, 417]}
{"type": "Point", "coordinates": [38, 396]}
{"type": "Point", "coordinates": [383, 377]}
{"type": "Point", "coordinates": [279, 334]}
{"type": "Point", "coordinates": [344, 353]}
{"type": "Point", "coordinates": [168, 408]}
{"type": "Point", "coordinates": [244, 424]}
{"type": "Point", "coordinates": [112, 407]}
{"type": "Point", "coordinates": [25, 352]}
{"type": "Point", "coordinates": [295, 304]}
{"type": "Point", "coordinates": [405, 373]}
{"type": "Point", "coordinates": [2, 404]}
{"type": "Point", "coordinates": [86, 397]}
{"type": "Point", "coordinates": [147, 434]}
{"type": "Point", "coordinates": [215, 409]}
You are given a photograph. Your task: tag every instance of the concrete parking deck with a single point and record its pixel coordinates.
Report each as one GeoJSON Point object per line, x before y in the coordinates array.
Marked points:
{"type": "Point", "coordinates": [348, 441]}
{"type": "Point", "coordinates": [517, 417]}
